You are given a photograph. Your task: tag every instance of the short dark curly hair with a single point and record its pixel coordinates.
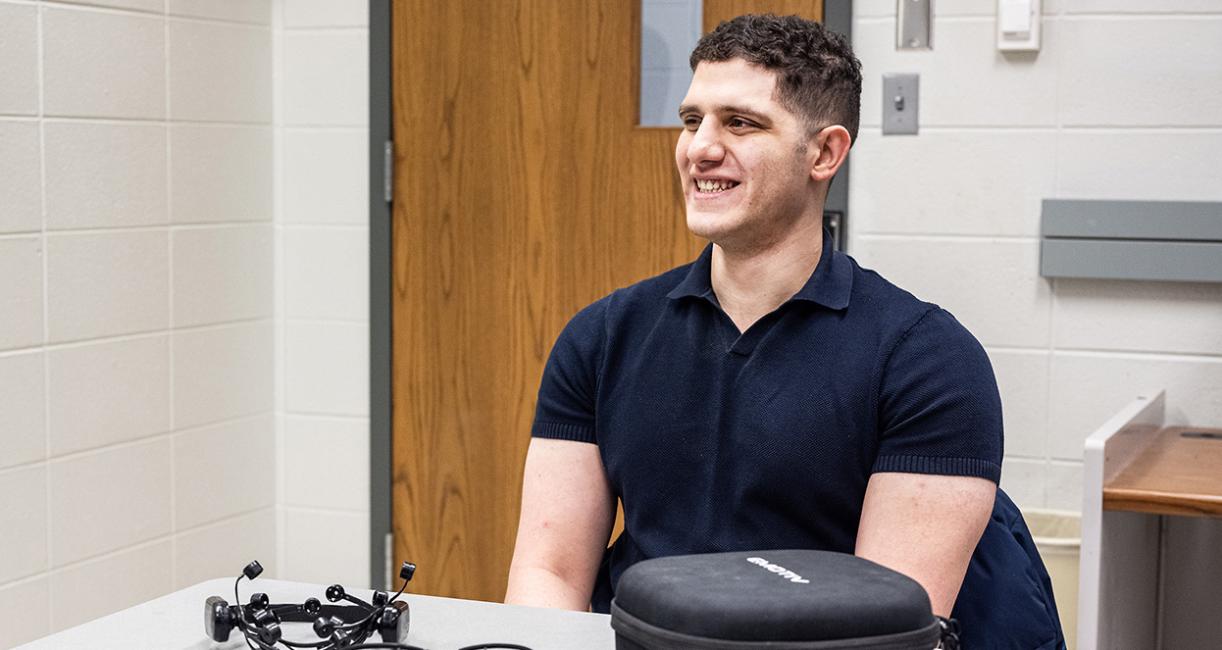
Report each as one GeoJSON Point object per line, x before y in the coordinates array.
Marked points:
{"type": "Point", "coordinates": [818, 78]}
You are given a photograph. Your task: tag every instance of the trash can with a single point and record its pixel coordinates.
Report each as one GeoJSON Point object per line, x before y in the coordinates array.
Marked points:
{"type": "Point", "coordinates": [1058, 537]}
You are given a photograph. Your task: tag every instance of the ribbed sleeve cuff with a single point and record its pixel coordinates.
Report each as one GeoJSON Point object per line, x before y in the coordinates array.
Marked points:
{"type": "Point", "coordinates": [562, 431]}
{"type": "Point", "coordinates": [939, 465]}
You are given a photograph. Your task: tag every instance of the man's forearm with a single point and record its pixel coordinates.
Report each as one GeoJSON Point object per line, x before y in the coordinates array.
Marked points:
{"type": "Point", "coordinates": [539, 587]}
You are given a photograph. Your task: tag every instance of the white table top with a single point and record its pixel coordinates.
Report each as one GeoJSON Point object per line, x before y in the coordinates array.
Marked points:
{"type": "Point", "coordinates": [176, 621]}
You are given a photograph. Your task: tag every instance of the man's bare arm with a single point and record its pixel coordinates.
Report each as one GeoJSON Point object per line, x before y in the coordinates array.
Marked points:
{"type": "Point", "coordinates": [926, 527]}
{"type": "Point", "coordinates": [567, 514]}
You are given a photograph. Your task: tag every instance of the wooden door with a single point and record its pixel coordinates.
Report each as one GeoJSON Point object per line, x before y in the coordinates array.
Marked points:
{"type": "Point", "coordinates": [524, 191]}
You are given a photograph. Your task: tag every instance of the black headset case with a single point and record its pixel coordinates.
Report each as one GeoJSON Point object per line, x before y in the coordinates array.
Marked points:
{"type": "Point", "coordinates": [778, 600]}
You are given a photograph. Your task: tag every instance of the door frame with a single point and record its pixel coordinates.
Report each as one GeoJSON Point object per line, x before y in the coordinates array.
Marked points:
{"type": "Point", "coordinates": [380, 248]}
{"type": "Point", "coordinates": [837, 16]}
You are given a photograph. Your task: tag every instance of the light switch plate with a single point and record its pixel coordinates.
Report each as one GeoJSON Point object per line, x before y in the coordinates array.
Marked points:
{"type": "Point", "coordinates": [914, 25]}
{"type": "Point", "coordinates": [901, 101]}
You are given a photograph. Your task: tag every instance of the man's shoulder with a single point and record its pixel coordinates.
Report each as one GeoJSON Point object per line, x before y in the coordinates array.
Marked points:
{"type": "Point", "coordinates": [658, 286]}
{"type": "Point", "coordinates": [879, 300]}
{"type": "Point", "coordinates": [903, 316]}
{"type": "Point", "coordinates": [623, 309]}
{"type": "Point", "coordinates": [648, 293]}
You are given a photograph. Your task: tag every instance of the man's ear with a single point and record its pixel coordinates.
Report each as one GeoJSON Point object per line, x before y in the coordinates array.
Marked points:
{"type": "Point", "coordinates": [833, 142]}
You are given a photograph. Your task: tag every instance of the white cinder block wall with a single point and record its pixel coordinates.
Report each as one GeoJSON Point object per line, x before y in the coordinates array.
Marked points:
{"type": "Point", "coordinates": [322, 145]}
{"type": "Point", "coordinates": [1122, 102]}
{"type": "Point", "coordinates": [157, 325]}
{"type": "Point", "coordinates": [136, 303]}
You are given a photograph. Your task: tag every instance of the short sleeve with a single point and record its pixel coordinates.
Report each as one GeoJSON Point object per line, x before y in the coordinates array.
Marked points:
{"type": "Point", "coordinates": [939, 409]}
{"type": "Point", "coordinates": [568, 392]}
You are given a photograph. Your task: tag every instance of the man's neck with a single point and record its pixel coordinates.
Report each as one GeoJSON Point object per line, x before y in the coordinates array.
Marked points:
{"type": "Point", "coordinates": [753, 282]}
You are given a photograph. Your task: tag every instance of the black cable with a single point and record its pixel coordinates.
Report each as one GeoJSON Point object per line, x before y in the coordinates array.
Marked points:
{"type": "Point", "coordinates": [303, 644]}
{"type": "Point", "coordinates": [376, 610]}
{"type": "Point", "coordinates": [363, 621]}
{"type": "Point", "coordinates": [242, 615]}
{"type": "Point", "coordinates": [400, 592]}
{"type": "Point", "coordinates": [404, 646]}
{"type": "Point", "coordinates": [382, 644]}
{"type": "Point", "coordinates": [253, 636]}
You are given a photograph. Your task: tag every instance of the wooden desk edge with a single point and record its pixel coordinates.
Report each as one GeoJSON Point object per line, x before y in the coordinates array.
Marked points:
{"type": "Point", "coordinates": [1134, 489]}
{"type": "Point", "coordinates": [1162, 503]}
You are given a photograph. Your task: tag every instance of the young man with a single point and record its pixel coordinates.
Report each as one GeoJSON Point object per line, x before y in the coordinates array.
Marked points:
{"type": "Point", "coordinates": [774, 394]}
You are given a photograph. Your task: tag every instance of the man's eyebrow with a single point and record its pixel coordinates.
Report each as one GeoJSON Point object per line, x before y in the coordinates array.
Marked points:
{"type": "Point", "coordinates": [687, 109]}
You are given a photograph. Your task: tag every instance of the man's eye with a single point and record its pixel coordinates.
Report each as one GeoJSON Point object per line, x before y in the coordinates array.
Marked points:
{"type": "Point", "coordinates": [739, 123]}
{"type": "Point", "coordinates": [691, 123]}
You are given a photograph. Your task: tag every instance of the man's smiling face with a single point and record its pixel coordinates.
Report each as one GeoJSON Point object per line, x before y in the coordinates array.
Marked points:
{"type": "Point", "coordinates": [744, 159]}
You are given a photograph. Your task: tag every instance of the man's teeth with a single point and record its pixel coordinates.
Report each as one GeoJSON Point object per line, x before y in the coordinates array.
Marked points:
{"type": "Point", "coordinates": [714, 185]}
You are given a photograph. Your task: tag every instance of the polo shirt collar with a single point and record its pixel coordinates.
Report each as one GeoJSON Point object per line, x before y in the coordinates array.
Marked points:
{"type": "Point", "coordinates": [829, 285]}
{"type": "Point", "coordinates": [697, 282]}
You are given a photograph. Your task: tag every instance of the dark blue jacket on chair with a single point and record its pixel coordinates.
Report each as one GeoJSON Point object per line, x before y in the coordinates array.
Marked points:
{"type": "Point", "coordinates": [1007, 588]}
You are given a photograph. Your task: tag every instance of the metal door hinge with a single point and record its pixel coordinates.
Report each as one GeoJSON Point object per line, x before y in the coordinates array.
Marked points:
{"type": "Point", "coordinates": [388, 171]}
{"type": "Point", "coordinates": [388, 554]}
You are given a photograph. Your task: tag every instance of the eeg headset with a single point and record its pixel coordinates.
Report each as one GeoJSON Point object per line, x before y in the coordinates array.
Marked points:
{"type": "Point", "coordinates": [339, 627]}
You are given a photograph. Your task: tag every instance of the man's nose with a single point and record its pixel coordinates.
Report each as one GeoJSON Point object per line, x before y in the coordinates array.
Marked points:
{"type": "Point", "coordinates": [706, 144]}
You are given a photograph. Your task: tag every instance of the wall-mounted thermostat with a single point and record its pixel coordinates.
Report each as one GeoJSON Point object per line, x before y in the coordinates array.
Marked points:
{"type": "Point", "coordinates": [1018, 25]}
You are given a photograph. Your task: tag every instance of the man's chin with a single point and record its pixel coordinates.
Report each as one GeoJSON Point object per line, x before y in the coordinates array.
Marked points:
{"type": "Point", "coordinates": [708, 226]}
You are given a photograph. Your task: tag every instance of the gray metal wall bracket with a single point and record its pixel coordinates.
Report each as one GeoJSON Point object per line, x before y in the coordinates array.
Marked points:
{"type": "Point", "coordinates": [1175, 241]}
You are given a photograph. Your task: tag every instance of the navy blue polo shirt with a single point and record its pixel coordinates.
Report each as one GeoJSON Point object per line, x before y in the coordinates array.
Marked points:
{"type": "Point", "coordinates": [719, 440]}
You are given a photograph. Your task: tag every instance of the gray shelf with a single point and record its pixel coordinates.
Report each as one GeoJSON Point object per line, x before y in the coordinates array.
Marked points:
{"type": "Point", "coordinates": [1174, 241]}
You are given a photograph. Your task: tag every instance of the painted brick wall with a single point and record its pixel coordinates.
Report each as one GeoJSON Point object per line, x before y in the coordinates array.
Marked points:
{"type": "Point", "coordinates": [1120, 103]}
{"type": "Point", "coordinates": [322, 303]}
{"type": "Point", "coordinates": [136, 311]}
